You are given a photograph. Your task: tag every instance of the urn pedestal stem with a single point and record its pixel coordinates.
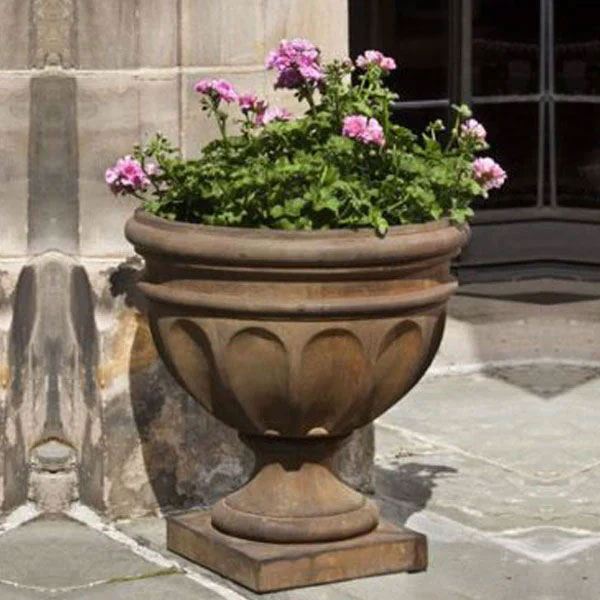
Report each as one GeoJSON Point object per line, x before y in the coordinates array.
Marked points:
{"type": "Point", "coordinates": [293, 497]}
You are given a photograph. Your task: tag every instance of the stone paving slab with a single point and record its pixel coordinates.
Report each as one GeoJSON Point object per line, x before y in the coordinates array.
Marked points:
{"type": "Point", "coordinates": [503, 422]}
{"type": "Point", "coordinates": [419, 473]}
{"type": "Point", "coordinates": [497, 451]}
{"type": "Point", "coordinates": [9, 592]}
{"type": "Point", "coordinates": [55, 553]}
{"type": "Point", "coordinates": [476, 414]}
{"type": "Point", "coordinates": [496, 500]}
{"type": "Point", "coordinates": [64, 559]}
{"type": "Point", "coordinates": [177, 587]}
{"type": "Point", "coordinates": [46, 557]}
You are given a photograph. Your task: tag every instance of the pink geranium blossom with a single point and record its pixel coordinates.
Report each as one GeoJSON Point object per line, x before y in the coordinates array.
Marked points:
{"type": "Point", "coordinates": [374, 57]}
{"type": "Point", "coordinates": [127, 176]}
{"type": "Point", "coordinates": [251, 103]}
{"type": "Point", "coordinates": [247, 102]}
{"type": "Point", "coordinates": [271, 114]}
{"type": "Point", "coordinates": [219, 89]}
{"type": "Point", "coordinates": [297, 62]}
{"type": "Point", "coordinates": [474, 130]}
{"type": "Point", "coordinates": [488, 173]}
{"type": "Point", "coordinates": [368, 131]}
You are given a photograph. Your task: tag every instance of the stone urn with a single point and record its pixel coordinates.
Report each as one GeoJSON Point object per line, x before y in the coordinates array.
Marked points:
{"type": "Point", "coordinates": [295, 339]}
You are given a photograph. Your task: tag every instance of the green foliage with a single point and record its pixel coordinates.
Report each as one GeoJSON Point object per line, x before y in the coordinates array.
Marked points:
{"type": "Point", "coordinates": [303, 174]}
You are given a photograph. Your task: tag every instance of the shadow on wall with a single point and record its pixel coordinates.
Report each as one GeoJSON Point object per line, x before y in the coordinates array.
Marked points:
{"type": "Point", "coordinates": [190, 457]}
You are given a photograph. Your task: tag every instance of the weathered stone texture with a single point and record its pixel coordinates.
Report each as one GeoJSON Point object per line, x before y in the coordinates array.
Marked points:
{"type": "Point", "coordinates": [325, 23]}
{"type": "Point", "coordinates": [53, 165]}
{"type": "Point", "coordinates": [53, 33]}
{"type": "Point", "coordinates": [158, 33]}
{"type": "Point", "coordinates": [52, 393]}
{"type": "Point", "coordinates": [14, 141]}
{"type": "Point", "coordinates": [14, 33]}
{"type": "Point", "coordinates": [228, 32]}
{"type": "Point", "coordinates": [53, 477]}
{"type": "Point", "coordinates": [114, 112]}
{"type": "Point", "coordinates": [108, 34]}
{"type": "Point", "coordinates": [126, 34]}
{"type": "Point", "coordinates": [9, 273]}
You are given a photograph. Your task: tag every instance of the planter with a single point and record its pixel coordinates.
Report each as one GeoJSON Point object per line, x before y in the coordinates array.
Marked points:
{"type": "Point", "coordinates": [295, 339]}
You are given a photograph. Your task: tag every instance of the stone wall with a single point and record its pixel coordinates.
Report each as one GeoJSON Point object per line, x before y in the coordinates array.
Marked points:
{"type": "Point", "coordinates": [81, 81]}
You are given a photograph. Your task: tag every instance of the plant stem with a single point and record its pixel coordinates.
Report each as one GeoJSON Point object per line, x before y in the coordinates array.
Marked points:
{"type": "Point", "coordinates": [386, 119]}
{"type": "Point", "coordinates": [311, 102]}
{"type": "Point", "coordinates": [220, 117]}
{"type": "Point", "coordinates": [453, 135]}
{"type": "Point", "coordinates": [221, 121]}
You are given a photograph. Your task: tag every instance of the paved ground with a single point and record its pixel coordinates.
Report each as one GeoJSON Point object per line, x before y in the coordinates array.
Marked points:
{"type": "Point", "coordinates": [500, 469]}
{"type": "Point", "coordinates": [512, 322]}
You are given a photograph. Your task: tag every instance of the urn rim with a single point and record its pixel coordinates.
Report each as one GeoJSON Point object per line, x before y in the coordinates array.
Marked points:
{"type": "Point", "coordinates": [192, 242]}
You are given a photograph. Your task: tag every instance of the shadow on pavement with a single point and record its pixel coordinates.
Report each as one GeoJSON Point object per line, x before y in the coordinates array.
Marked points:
{"type": "Point", "coordinates": [410, 484]}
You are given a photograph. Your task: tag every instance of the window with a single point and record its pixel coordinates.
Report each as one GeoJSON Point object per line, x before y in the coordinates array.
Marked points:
{"type": "Point", "coordinates": [530, 69]}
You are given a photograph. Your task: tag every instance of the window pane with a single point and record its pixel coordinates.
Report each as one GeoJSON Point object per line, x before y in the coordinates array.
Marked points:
{"type": "Point", "coordinates": [506, 47]}
{"type": "Point", "coordinates": [416, 119]}
{"type": "Point", "coordinates": [513, 136]}
{"type": "Point", "coordinates": [415, 33]}
{"type": "Point", "coordinates": [578, 155]}
{"type": "Point", "coordinates": [577, 50]}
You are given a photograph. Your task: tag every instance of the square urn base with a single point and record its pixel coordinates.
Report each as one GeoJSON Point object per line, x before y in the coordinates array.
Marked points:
{"type": "Point", "coordinates": [264, 567]}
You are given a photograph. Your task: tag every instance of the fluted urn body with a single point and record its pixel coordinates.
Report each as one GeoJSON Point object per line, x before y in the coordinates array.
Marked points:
{"type": "Point", "coordinates": [295, 339]}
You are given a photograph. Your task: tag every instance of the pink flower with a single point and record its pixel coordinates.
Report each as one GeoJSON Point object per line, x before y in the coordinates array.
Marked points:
{"type": "Point", "coordinates": [273, 114]}
{"type": "Point", "coordinates": [250, 103]}
{"type": "Point", "coordinates": [387, 64]}
{"type": "Point", "coordinates": [247, 102]}
{"type": "Point", "coordinates": [488, 173]}
{"type": "Point", "coordinates": [374, 57]}
{"type": "Point", "coordinates": [111, 176]}
{"type": "Point", "coordinates": [375, 133]}
{"type": "Point", "coordinates": [354, 126]}
{"type": "Point", "coordinates": [297, 50]}
{"type": "Point", "coordinates": [204, 86]}
{"type": "Point", "coordinates": [218, 89]}
{"type": "Point", "coordinates": [297, 62]}
{"type": "Point", "coordinates": [368, 131]}
{"type": "Point", "coordinates": [474, 130]}
{"type": "Point", "coordinates": [311, 72]}
{"type": "Point", "coordinates": [151, 169]}
{"type": "Point", "coordinates": [128, 176]}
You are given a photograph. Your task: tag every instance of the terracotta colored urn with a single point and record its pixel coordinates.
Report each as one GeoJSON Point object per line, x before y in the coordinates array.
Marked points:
{"type": "Point", "coordinates": [295, 339]}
